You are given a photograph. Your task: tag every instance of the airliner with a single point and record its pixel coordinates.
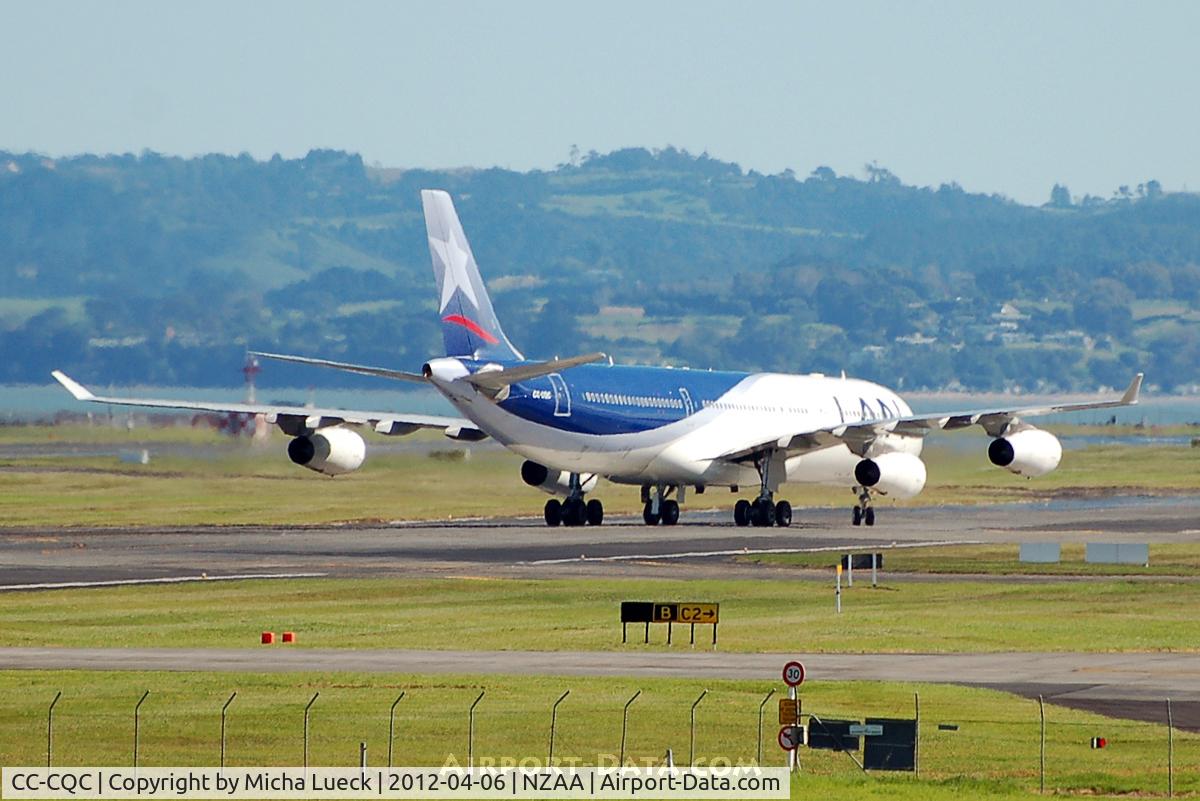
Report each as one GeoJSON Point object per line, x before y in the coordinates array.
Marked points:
{"type": "Point", "coordinates": [668, 431]}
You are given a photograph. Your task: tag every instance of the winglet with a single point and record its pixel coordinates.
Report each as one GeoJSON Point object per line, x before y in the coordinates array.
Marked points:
{"type": "Point", "coordinates": [74, 387]}
{"type": "Point", "coordinates": [1130, 398]}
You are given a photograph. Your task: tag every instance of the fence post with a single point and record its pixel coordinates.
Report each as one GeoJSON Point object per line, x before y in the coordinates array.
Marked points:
{"type": "Point", "coordinates": [917, 736]}
{"type": "Point", "coordinates": [136, 712]}
{"type": "Point", "coordinates": [758, 752]}
{"type": "Point", "coordinates": [1170, 752]}
{"type": "Point", "coordinates": [392, 725]}
{"type": "Point", "coordinates": [311, 701]}
{"type": "Point", "coordinates": [50, 729]}
{"type": "Point", "coordinates": [223, 710]}
{"type": "Point", "coordinates": [692, 736]}
{"type": "Point", "coordinates": [625, 727]}
{"type": "Point", "coordinates": [1042, 748]}
{"type": "Point", "coordinates": [471, 730]}
{"type": "Point", "coordinates": [553, 724]}
{"type": "Point", "coordinates": [838, 589]}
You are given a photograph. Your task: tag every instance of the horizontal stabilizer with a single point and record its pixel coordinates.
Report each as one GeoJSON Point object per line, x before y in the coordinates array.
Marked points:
{"type": "Point", "coordinates": [498, 379]}
{"type": "Point", "coordinates": [361, 369]}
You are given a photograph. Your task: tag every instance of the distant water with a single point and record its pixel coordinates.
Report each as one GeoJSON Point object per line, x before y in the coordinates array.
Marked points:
{"type": "Point", "coordinates": [27, 402]}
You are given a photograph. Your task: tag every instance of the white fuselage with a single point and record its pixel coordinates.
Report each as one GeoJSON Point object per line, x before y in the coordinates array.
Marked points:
{"type": "Point", "coordinates": [758, 408]}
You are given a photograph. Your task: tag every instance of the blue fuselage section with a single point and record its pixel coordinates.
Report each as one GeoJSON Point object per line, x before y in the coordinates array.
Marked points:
{"type": "Point", "coordinates": [609, 399]}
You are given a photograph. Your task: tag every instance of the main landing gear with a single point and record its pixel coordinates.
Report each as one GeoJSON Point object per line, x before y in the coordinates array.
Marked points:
{"type": "Point", "coordinates": [574, 511]}
{"type": "Point", "coordinates": [658, 507]}
{"type": "Point", "coordinates": [863, 513]}
{"type": "Point", "coordinates": [764, 511]}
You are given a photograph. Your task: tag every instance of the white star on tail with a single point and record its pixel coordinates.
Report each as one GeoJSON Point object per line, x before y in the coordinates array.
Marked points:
{"type": "Point", "coordinates": [455, 259]}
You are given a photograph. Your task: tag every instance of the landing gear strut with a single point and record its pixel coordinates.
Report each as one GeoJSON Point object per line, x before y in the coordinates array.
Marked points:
{"type": "Point", "coordinates": [863, 513]}
{"type": "Point", "coordinates": [574, 511]}
{"type": "Point", "coordinates": [658, 507]}
{"type": "Point", "coordinates": [764, 511]}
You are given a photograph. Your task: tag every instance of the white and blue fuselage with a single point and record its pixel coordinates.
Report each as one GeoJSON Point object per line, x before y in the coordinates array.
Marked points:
{"type": "Point", "coordinates": [650, 425]}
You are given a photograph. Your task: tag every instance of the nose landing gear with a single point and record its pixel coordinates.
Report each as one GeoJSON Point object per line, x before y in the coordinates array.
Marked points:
{"type": "Point", "coordinates": [863, 513]}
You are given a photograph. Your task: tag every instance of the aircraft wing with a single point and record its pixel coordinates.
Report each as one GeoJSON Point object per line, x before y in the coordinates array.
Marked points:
{"type": "Point", "coordinates": [859, 436]}
{"type": "Point", "coordinates": [313, 418]}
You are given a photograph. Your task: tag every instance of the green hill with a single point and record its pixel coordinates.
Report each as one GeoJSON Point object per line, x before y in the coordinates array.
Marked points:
{"type": "Point", "coordinates": [161, 269]}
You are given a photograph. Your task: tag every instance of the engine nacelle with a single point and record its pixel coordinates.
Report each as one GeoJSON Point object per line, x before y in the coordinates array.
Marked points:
{"type": "Point", "coordinates": [1030, 452]}
{"type": "Point", "coordinates": [332, 451]}
{"type": "Point", "coordinates": [899, 474]}
{"type": "Point", "coordinates": [554, 482]}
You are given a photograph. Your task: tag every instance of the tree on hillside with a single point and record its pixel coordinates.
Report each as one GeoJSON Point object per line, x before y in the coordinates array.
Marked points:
{"type": "Point", "coordinates": [1060, 197]}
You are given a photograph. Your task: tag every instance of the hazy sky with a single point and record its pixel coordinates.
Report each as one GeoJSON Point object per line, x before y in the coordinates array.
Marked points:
{"type": "Point", "coordinates": [1001, 97]}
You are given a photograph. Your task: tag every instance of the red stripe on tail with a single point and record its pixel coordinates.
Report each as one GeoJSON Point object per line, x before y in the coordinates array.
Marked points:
{"type": "Point", "coordinates": [471, 326]}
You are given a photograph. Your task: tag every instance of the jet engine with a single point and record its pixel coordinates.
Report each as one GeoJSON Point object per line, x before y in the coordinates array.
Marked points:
{"type": "Point", "coordinates": [332, 451]}
{"type": "Point", "coordinates": [1030, 452]}
{"type": "Point", "coordinates": [899, 474]}
{"type": "Point", "coordinates": [554, 482]}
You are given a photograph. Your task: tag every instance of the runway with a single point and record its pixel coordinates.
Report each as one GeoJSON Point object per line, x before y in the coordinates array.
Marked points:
{"type": "Point", "coordinates": [1132, 685]}
{"type": "Point", "coordinates": [706, 544]}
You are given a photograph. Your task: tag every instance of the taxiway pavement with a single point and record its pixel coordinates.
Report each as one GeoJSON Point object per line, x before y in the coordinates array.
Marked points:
{"type": "Point", "coordinates": [705, 544]}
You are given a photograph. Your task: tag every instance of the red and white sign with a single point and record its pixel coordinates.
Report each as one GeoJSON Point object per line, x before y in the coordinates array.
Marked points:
{"type": "Point", "coordinates": [789, 738]}
{"type": "Point", "coordinates": [793, 674]}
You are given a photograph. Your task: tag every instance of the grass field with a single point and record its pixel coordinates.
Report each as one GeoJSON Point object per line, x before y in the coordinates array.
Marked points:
{"type": "Point", "coordinates": [999, 560]}
{"type": "Point", "coordinates": [237, 483]}
{"type": "Point", "coordinates": [582, 614]}
{"type": "Point", "coordinates": [993, 754]}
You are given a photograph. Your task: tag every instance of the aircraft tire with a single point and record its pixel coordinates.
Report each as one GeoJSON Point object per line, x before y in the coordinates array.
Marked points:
{"type": "Point", "coordinates": [574, 512]}
{"type": "Point", "coordinates": [857, 515]}
{"type": "Point", "coordinates": [650, 518]}
{"type": "Point", "coordinates": [783, 514]}
{"type": "Point", "coordinates": [669, 513]}
{"type": "Point", "coordinates": [595, 512]}
{"type": "Point", "coordinates": [741, 513]}
{"type": "Point", "coordinates": [553, 512]}
{"type": "Point", "coordinates": [869, 516]}
{"type": "Point", "coordinates": [763, 513]}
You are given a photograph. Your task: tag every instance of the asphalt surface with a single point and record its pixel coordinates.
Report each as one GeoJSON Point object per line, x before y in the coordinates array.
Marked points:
{"type": "Point", "coordinates": [1127, 685]}
{"type": "Point", "coordinates": [705, 544]}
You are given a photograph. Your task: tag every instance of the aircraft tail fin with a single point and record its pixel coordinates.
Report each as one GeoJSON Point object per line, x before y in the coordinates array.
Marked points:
{"type": "Point", "coordinates": [469, 324]}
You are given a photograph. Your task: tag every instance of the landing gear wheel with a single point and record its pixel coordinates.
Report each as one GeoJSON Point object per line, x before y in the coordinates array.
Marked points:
{"type": "Point", "coordinates": [783, 514]}
{"type": "Point", "coordinates": [741, 513]}
{"type": "Point", "coordinates": [763, 513]}
{"type": "Point", "coordinates": [858, 515]}
{"type": "Point", "coordinates": [648, 516]}
{"type": "Point", "coordinates": [553, 512]}
{"type": "Point", "coordinates": [595, 512]}
{"type": "Point", "coordinates": [869, 516]}
{"type": "Point", "coordinates": [573, 512]}
{"type": "Point", "coordinates": [669, 512]}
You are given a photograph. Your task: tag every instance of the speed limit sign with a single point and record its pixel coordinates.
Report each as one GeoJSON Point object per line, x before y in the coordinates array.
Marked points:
{"type": "Point", "coordinates": [793, 674]}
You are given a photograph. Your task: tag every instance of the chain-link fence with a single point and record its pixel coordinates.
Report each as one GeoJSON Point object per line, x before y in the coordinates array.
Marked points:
{"type": "Point", "coordinates": [287, 720]}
